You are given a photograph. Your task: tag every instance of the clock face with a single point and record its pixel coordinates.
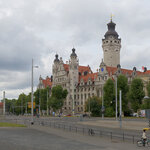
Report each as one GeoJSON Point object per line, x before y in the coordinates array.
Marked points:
{"type": "Point", "coordinates": [102, 69]}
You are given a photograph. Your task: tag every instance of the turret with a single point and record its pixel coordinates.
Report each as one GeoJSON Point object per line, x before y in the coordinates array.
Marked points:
{"type": "Point", "coordinates": [73, 67]}
{"type": "Point", "coordinates": [55, 66]}
{"type": "Point", "coordinates": [111, 45]}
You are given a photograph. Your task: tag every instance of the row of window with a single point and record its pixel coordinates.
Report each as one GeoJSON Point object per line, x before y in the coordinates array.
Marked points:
{"type": "Point", "coordinates": [84, 89]}
{"type": "Point", "coordinates": [107, 50]}
{"type": "Point", "coordinates": [112, 42]}
{"type": "Point", "coordinates": [83, 96]}
{"type": "Point", "coordinates": [60, 79]}
{"type": "Point", "coordinates": [89, 83]}
{"type": "Point", "coordinates": [103, 78]}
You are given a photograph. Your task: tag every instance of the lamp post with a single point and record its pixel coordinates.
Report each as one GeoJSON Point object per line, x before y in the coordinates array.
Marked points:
{"type": "Point", "coordinates": [116, 100]}
{"type": "Point", "coordinates": [89, 108]}
{"type": "Point", "coordinates": [32, 91]}
{"type": "Point", "coordinates": [103, 109]}
{"type": "Point", "coordinates": [120, 116]}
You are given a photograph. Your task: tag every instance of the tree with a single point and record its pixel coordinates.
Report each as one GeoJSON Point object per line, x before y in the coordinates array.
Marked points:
{"type": "Point", "coordinates": [94, 104]}
{"type": "Point", "coordinates": [57, 98]}
{"type": "Point", "coordinates": [148, 88]}
{"type": "Point", "coordinates": [109, 98]}
{"type": "Point", "coordinates": [146, 104]}
{"type": "Point", "coordinates": [41, 96]}
{"type": "Point", "coordinates": [136, 94]}
{"type": "Point", "coordinates": [122, 84]}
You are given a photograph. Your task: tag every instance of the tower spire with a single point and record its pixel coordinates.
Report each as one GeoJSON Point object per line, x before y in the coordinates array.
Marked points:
{"type": "Point", "coordinates": [111, 15]}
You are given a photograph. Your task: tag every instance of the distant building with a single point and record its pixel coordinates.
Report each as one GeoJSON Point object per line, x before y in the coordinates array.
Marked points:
{"type": "Point", "coordinates": [81, 82]}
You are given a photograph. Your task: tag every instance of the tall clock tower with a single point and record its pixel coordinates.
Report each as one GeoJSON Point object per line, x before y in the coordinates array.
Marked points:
{"type": "Point", "coordinates": [111, 45]}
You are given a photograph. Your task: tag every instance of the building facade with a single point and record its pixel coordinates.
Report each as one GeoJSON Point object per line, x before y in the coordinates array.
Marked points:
{"type": "Point", "coordinates": [81, 82]}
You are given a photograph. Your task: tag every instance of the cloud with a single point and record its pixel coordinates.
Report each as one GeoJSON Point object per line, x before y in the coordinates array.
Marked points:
{"type": "Point", "coordinates": [40, 29]}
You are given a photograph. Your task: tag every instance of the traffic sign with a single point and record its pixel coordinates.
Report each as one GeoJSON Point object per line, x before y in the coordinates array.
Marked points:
{"type": "Point", "coordinates": [30, 105]}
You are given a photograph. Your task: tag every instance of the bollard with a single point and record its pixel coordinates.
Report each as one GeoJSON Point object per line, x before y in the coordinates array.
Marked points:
{"type": "Point", "coordinates": [123, 136]}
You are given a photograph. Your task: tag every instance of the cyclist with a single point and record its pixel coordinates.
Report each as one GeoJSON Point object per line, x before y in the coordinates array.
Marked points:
{"type": "Point", "coordinates": [144, 138]}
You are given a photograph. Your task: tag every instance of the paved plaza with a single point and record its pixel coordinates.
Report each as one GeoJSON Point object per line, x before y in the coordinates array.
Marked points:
{"type": "Point", "coordinates": [45, 138]}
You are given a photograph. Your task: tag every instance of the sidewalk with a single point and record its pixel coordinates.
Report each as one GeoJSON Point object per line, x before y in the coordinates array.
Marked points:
{"type": "Point", "coordinates": [129, 125]}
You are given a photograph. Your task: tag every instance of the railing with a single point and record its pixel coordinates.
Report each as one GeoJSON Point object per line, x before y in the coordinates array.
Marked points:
{"type": "Point", "coordinates": [81, 129]}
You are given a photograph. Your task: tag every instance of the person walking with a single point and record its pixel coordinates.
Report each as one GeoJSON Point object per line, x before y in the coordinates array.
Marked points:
{"type": "Point", "coordinates": [144, 137]}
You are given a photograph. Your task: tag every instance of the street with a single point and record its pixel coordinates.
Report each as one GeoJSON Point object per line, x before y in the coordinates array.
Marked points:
{"type": "Point", "coordinates": [45, 138]}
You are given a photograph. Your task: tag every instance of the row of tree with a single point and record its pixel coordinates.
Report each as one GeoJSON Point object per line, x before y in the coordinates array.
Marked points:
{"type": "Point", "coordinates": [42, 100]}
{"type": "Point", "coordinates": [132, 97]}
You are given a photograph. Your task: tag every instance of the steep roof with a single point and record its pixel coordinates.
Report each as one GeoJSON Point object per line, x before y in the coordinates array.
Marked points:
{"type": "Point", "coordinates": [85, 78]}
{"type": "Point", "coordinates": [80, 68]}
{"type": "Point", "coordinates": [112, 70]}
{"type": "Point", "coordinates": [47, 82]}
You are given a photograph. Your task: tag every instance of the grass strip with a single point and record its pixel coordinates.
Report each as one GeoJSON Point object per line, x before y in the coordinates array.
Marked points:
{"type": "Point", "coordinates": [7, 124]}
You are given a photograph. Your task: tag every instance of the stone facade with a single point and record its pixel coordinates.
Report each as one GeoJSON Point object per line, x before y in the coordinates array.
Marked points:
{"type": "Point", "coordinates": [111, 45]}
{"type": "Point", "coordinates": [81, 83]}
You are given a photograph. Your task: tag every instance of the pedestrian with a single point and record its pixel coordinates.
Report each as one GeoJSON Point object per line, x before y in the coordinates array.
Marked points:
{"type": "Point", "coordinates": [144, 137]}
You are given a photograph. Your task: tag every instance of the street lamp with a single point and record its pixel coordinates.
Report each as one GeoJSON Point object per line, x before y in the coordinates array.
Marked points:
{"type": "Point", "coordinates": [116, 100]}
{"type": "Point", "coordinates": [103, 108]}
{"type": "Point", "coordinates": [32, 90]}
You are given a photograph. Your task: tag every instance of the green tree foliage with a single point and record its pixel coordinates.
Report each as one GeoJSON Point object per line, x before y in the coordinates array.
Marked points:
{"type": "Point", "coordinates": [122, 84]}
{"type": "Point", "coordinates": [146, 104]}
{"type": "Point", "coordinates": [41, 96]}
{"type": "Point", "coordinates": [94, 104]}
{"type": "Point", "coordinates": [136, 94]}
{"type": "Point", "coordinates": [148, 89]}
{"type": "Point", "coordinates": [57, 98]}
{"type": "Point", "coordinates": [109, 98]}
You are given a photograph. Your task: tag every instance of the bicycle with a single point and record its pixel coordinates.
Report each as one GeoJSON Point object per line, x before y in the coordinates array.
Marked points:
{"type": "Point", "coordinates": [140, 143]}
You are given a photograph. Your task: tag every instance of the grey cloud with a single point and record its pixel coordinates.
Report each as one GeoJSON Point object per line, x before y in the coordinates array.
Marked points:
{"type": "Point", "coordinates": [38, 29]}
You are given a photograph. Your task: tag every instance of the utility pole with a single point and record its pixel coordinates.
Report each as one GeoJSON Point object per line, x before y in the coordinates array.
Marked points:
{"type": "Point", "coordinates": [120, 110]}
{"type": "Point", "coordinates": [40, 101]}
{"type": "Point", "coordinates": [89, 107]}
{"type": "Point", "coordinates": [4, 103]}
{"type": "Point", "coordinates": [32, 93]}
{"type": "Point", "coordinates": [47, 102]}
{"type": "Point", "coordinates": [73, 100]}
{"type": "Point", "coordinates": [103, 109]}
{"type": "Point", "coordinates": [116, 100]}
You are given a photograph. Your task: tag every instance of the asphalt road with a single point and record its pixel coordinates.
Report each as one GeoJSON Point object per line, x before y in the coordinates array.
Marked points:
{"type": "Point", "coordinates": [44, 138]}
{"type": "Point", "coordinates": [75, 122]}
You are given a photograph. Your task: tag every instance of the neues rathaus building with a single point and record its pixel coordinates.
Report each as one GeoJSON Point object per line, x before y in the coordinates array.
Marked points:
{"type": "Point", "coordinates": [81, 82]}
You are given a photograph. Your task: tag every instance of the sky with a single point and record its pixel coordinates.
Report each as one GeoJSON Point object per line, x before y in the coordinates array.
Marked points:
{"type": "Point", "coordinates": [38, 29]}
